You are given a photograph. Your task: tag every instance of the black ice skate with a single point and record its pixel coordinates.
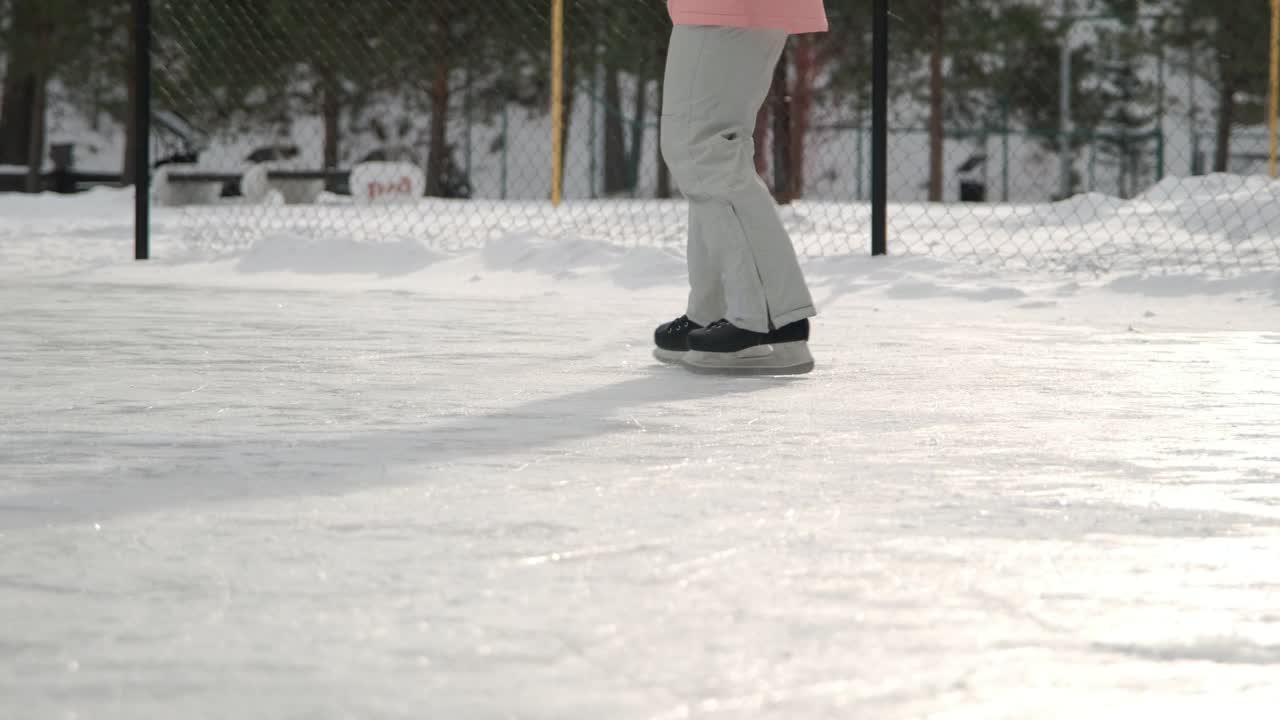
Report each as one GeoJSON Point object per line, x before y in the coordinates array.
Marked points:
{"type": "Point", "coordinates": [725, 348]}
{"type": "Point", "coordinates": [672, 339]}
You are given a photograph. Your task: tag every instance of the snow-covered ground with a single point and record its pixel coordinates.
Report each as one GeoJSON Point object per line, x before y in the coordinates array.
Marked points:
{"type": "Point", "coordinates": [435, 473]}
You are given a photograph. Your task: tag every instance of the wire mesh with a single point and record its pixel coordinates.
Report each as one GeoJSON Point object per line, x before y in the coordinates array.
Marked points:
{"type": "Point", "coordinates": [1091, 135]}
{"type": "Point", "coordinates": [429, 121]}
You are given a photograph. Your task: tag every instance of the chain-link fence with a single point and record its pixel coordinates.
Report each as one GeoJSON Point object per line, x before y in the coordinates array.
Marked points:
{"type": "Point", "coordinates": [1085, 136]}
{"type": "Point", "coordinates": [1104, 135]}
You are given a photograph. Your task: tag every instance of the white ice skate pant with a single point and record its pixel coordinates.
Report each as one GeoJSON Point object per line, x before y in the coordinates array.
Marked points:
{"type": "Point", "coordinates": [742, 265]}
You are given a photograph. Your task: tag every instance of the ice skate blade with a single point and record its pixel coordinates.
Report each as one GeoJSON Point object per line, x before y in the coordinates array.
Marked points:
{"type": "Point", "coordinates": [783, 359]}
{"type": "Point", "coordinates": [671, 357]}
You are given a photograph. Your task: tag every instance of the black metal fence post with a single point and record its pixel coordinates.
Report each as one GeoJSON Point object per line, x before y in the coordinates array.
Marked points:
{"type": "Point", "coordinates": [142, 129]}
{"type": "Point", "coordinates": [880, 128]}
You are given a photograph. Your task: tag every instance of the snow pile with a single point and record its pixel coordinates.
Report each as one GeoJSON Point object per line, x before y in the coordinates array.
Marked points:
{"type": "Point", "coordinates": [297, 254]}
{"type": "Point", "coordinates": [1219, 225]}
{"type": "Point", "coordinates": [1205, 230]}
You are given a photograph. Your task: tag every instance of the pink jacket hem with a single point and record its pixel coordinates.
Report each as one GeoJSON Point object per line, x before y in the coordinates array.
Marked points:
{"type": "Point", "coordinates": [794, 16]}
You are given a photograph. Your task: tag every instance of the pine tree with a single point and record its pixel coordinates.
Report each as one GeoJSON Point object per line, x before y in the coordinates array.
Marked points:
{"type": "Point", "coordinates": [949, 51]}
{"type": "Point", "coordinates": [1230, 40]}
{"type": "Point", "coordinates": [43, 37]}
{"type": "Point", "coordinates": [1129, 113]}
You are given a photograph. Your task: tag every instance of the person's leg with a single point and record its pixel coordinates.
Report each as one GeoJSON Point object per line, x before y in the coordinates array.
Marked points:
{"type": "Point", "coordinates": [706, 289]}
{"type": "Point", "coordinates": [721, 77]}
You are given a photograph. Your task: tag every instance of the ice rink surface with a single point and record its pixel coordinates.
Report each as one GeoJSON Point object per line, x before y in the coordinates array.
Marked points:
{"type": "Point", "coordinates": [459, 487]}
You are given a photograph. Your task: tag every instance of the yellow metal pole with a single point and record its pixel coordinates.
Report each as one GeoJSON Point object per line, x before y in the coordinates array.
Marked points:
{"type": "Point", "coordinates": [1273, 103]}
{"type": "Point", "coordinates": [557, 101]}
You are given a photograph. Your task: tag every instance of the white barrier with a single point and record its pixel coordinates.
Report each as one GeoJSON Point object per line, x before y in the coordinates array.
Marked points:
{"type": "Point", "coordinates": [258, 187]}
{"type": "Point", "coordinates": [168, 193]}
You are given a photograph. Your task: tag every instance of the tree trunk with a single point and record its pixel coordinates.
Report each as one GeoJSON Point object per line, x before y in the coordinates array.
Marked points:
{"type": "Point", "coordinates": [331, 111]}
{"type": "Point", "coordinates": [1133, 164]}
{"type": "Point", "coordinates": [19, 91]}
{"type": "Point", "coordinates": [35, 149]}
{"type": "Point", "coordinates": [761, 138]}
{"type": "Point", "coordinates": [1226, 120]}
{"type": "Point", "coordinates": [15, 117]}
{"type": "Point", "coordinates": [937, 139]}
{"type": "Point", "coordinates": [805, 62]}
{"type": "Point", "coordinates": [781, 133]}
{"type": "Point", "coordinates": [438, 148]}
{"type": "Point", "coordinates": [130, 174]}
{"type": "Point", "coordinates": [437, 154]}
{"type": "Point", "coordinates": [638, 126]}
{"type": "Point", "coordinates": [664, 173]}
{"type": "Point", "coordinates": [615, 151]}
